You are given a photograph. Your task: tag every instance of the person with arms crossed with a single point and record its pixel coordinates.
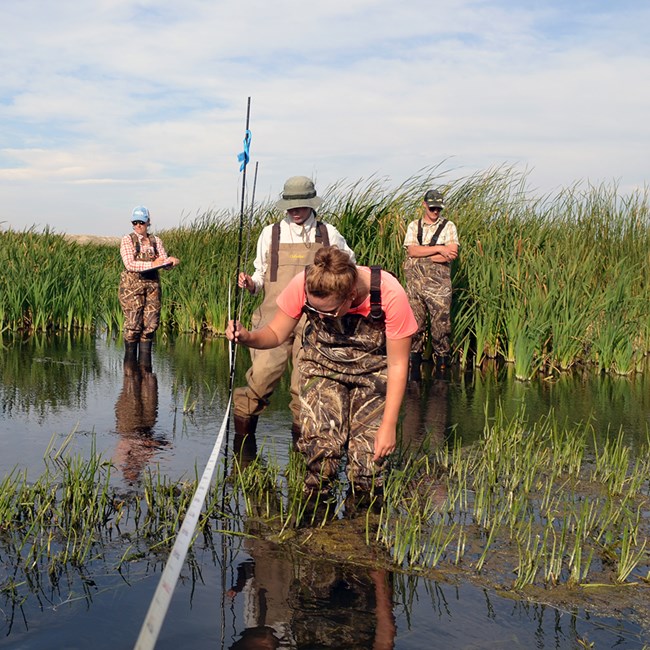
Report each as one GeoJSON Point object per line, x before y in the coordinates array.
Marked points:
{"type": "Point", "coordinates": [431, 245]}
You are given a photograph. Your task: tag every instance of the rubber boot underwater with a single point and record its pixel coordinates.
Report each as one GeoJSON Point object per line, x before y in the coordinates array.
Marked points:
{"type": "Point", "coordinates": [415, 366]}
{"type": "Point", "coordinates": [296, 430]}
{"type": "Point", "coordinates": [144, 357]}
{"type": "Point", "coordinates": [244, 443]}
{"type": "Point", "coordinates": [130, 355]}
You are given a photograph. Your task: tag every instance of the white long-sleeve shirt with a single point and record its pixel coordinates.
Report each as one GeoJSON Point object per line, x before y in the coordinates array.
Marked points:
{"type": "Point", "coordinates": [291, 233]}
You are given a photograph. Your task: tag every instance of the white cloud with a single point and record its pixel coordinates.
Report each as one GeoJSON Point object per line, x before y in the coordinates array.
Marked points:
{"type": "Point", "coordinates": [116, 103]}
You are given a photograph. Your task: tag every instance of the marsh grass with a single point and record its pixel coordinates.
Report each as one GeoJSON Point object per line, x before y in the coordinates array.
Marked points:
{"type": "Point", "coordinates": [546, 283]}
{"type": "Point", "coordinates": [527, 505]}
{"type": "Point", "coordinates": [537, 501]}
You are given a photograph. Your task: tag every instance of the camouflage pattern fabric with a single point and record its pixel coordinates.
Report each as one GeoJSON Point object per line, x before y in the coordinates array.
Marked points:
{"type": "Point", "coordinates": [344, 367]}
{"type": "Point", "coordinates": [140, 296]}
{"type": "Point", "coordinates": [140, 300]}
{"type": "Point", "coordinates": [335, 606]}
{"type": "Point", "coordinates": [428, 286]}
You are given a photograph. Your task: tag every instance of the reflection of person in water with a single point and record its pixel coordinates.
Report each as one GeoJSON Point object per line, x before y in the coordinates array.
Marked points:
{"type": "Point", "coordinates": [424, 428]}
{"type": "Point", "coordinates": [425, 414]}
{"type": "Point", "coordinates": [300, 602]}
{"type": "Point", "coordinates": [257, 638]}
{"type": "Point", "coordinates": [342, 606]}
{"type": "Point", "coordinates": [264, 580]}
{"type": "Point", "coordinates": [136, 411]}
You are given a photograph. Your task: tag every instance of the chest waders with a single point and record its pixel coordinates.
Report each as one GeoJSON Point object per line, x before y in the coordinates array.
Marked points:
{"type": "Point", "coordinates": [268, 366]}
{"type": "Point", "coordinates": [428, 286]}
{"type": "Point", "coordinates": [344, 369]}
{"type": "Point", "coordinates": [140, 297]}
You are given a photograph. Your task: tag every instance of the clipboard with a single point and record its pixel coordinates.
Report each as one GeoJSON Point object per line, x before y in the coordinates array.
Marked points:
{"type": "Point", "coordinates": [167, 265]}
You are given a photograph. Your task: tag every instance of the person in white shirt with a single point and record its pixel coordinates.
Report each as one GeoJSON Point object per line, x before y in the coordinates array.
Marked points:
{"type": "Point", "coordinates": [284, 249]}
{"type": "Point", "coordinates": [431, 244]}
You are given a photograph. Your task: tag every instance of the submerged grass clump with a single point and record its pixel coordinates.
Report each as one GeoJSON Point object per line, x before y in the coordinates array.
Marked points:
{"type": "Point", "coordinates": [533, 500]}
{"type": "Point", "coordinates": [538, 502]}
{"type": "Point", "coordinates": [55, 531]}
{"type": "Point", "coordinates": [529, 505]}
{"type": "Point", "coordinates": [535, 285]}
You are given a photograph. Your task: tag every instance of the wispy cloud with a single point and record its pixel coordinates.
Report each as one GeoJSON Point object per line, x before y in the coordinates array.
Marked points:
{"type": "Point", "coordinates": [117, 103]}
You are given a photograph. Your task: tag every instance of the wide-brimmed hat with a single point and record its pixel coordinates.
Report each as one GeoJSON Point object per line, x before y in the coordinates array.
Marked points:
{"type": "Point", "coordinates": [299, 192]}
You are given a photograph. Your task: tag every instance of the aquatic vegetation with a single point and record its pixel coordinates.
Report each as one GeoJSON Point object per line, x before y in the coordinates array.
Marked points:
{"type": "Point", "coordinates": [535, 501]}
{"type": "Point", "coordinates": [535, 284]}
{"type": "Point", "coordinates": [528, 505]}
{"type": "Point", "coordinates": [536, 491]}
{"type": "Point", "coordinates": [538, 501]}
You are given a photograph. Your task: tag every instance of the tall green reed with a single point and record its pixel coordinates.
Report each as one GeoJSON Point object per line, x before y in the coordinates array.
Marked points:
{"type": "Point", "coordinates": [547, 282]}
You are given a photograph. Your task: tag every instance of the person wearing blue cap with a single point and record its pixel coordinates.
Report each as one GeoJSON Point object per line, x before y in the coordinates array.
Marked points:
{"type": "Point", "coordinates": [143, 255]}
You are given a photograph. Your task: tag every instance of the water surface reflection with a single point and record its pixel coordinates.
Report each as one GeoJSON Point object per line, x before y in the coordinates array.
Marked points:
{"type": "Point", "coordinates": [168, 420]}
{"type": "Point", "coordinates": [291, 599]}
{"type": "Point", "coordinates": [136, 412]}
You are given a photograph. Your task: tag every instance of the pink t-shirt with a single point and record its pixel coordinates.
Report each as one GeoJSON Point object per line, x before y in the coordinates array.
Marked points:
{"type": "Point", "coordinates": [400, 321]}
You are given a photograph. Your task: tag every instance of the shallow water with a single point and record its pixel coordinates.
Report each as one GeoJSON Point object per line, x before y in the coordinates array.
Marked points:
{"type": "Point", "coordinates": [51, 387]}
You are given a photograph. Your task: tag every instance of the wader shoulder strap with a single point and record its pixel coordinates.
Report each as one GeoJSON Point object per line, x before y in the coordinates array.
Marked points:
{"type": "Point", "coordinates": [322, 236]}
{"type": "Point", "coordinates": [136, 244]}
{"type": "Point", "coordinates": [275, 249]}
{"type": "Point", "coordinates": [436, 234]}
{"type": "Point", "coordinates": [304, 311]}
{"type": "Point", "coordinates": [376, 312]}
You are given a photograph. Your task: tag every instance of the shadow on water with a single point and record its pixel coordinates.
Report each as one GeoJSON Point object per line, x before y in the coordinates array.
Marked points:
{"type": "Point", "coordinates": [244, 591]}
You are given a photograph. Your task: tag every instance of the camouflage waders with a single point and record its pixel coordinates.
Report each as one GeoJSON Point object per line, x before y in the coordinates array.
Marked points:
{"type": "Point", "coordinates": [345, 369]}
{"type": "Point", "coordinates": [268, 366]}
{"type": "Point", "coordinates": [428, 286]}
{"type": "Point", "coordinates": [140, 297]}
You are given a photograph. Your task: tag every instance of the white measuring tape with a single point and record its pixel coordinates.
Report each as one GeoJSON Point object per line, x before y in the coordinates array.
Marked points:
{"type": "Point", "coordinates": [162, 596]}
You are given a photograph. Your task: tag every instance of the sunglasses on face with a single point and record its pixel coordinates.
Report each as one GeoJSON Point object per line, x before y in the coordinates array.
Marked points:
{"type": "Point", "coordinates": [330, 314]}
{"type": "Point", "coordinates": [434, 209]}
{"type": "Point", "coordinates": [138, 223]}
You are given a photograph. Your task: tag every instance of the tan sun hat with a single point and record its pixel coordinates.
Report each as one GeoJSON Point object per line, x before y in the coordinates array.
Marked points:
{"type": "Point", "coordinates": [299, 192]}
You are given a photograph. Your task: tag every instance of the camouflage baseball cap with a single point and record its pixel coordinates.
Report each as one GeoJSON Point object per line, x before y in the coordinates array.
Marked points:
{"type": "Point", "coordinates": [434, 199]}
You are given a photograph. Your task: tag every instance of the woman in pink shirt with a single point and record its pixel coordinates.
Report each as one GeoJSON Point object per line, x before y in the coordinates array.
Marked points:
{"type": "Point", "coordinates": [353, 364]}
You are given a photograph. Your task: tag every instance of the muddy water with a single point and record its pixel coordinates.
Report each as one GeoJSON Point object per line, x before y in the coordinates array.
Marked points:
{"type": "Point", "coordinates": [243, 593]}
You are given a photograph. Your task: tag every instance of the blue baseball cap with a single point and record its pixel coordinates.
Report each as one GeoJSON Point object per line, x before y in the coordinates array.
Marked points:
{"type": "Point", "coordinates": [140, 214]}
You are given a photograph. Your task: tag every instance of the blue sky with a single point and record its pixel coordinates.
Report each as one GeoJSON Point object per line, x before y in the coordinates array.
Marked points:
{"type": "Point", "coordinates": [108, 104]}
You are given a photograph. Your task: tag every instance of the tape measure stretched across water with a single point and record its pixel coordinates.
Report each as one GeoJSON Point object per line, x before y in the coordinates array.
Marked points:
{"type": "Point", "coordinates": [162, 596]}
